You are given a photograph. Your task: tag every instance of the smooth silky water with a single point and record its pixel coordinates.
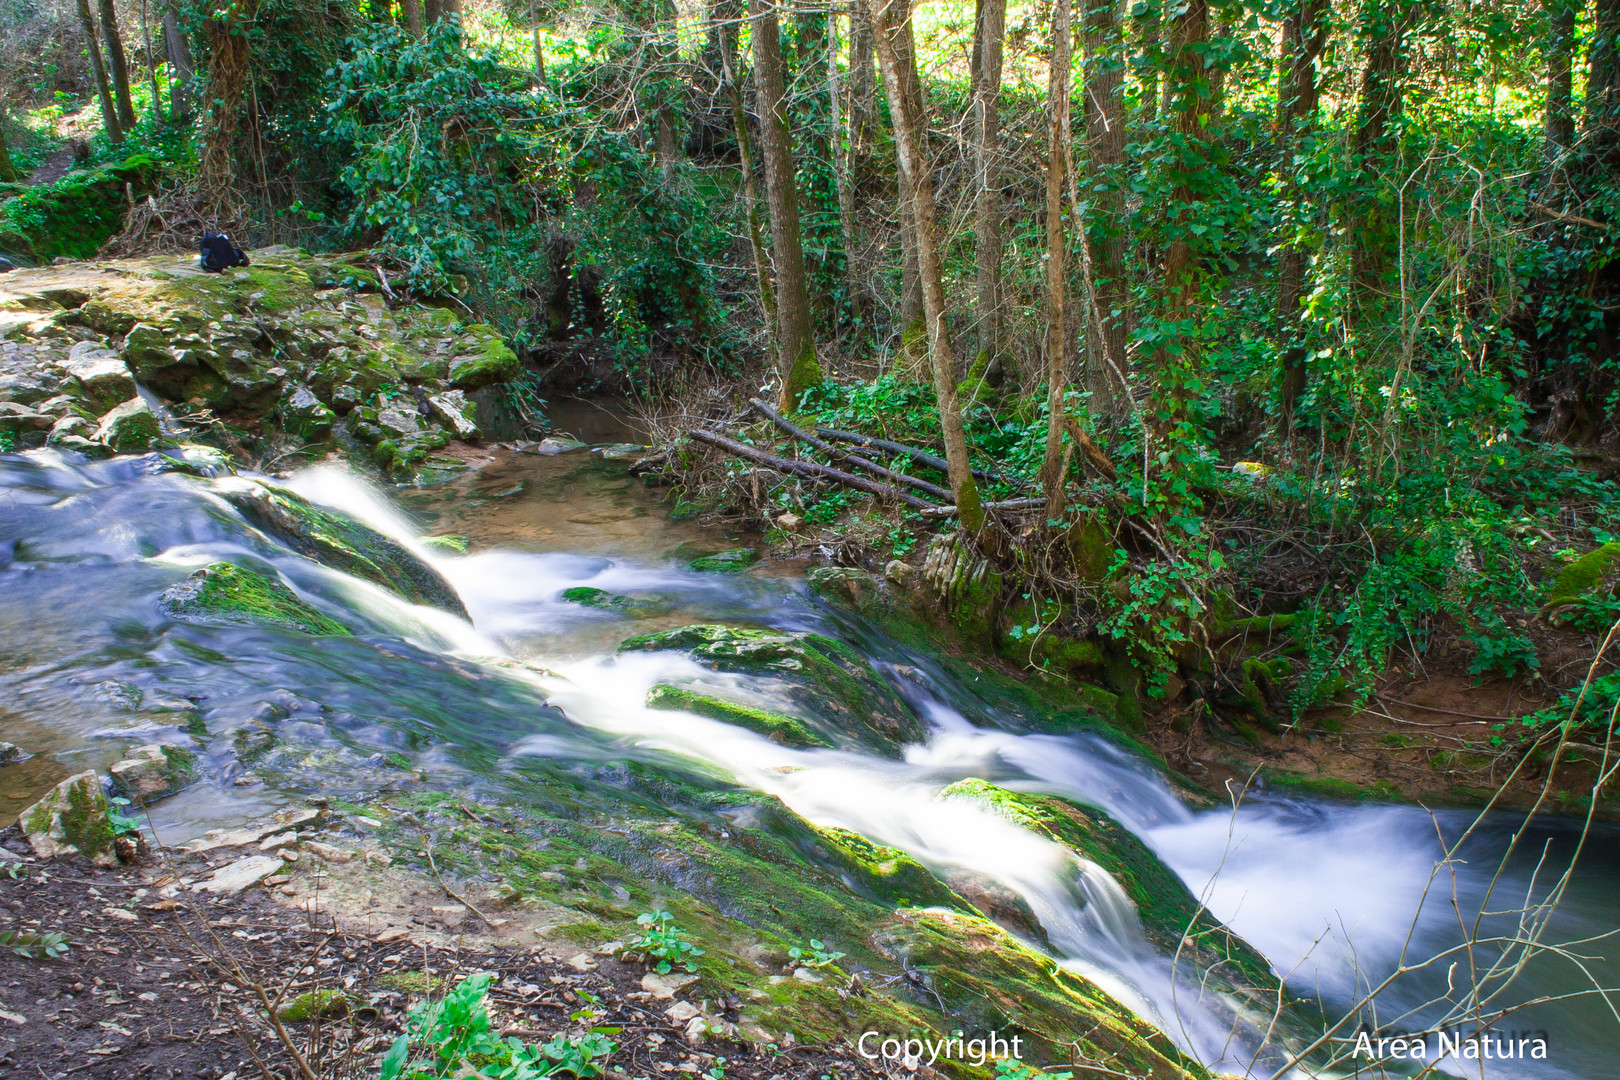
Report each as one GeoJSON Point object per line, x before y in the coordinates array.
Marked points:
{"type": "Point", "coordinates": [1330, 893]}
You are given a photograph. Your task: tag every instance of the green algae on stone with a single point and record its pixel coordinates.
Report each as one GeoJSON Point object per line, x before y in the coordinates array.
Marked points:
{"type": "Point", "coordinates": [888, 874]}
{"type": "Point", "coordinates": [734, 561]}
{"type": "Point", "coordinates": [454, 544]}
{"type": "Point", "coordinates": [153, 772]}
{"type": "Point", "coordinates": [1582, 576]}
{"type": "Point", "coordinates": [602, 600]}
{"type": "Point", "coordinates": [344, 544]}
{"type": "Point", "coordinates": [71, 818]}
{"type": "Point", "coordinates": [778, 727]}
{"type": "Point", "coordinates": [489, 361]}
{"type": "Point", "coordinates": [989, 980]}
{"type": "Point", "coordinates": [827, 678]}
{"type": "Point", "coordinates": [228, 595]}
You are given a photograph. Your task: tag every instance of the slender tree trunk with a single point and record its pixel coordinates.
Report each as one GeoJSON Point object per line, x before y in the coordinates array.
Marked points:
{"type": "Point", "coordinates": [117, 65]}
{"type": "Point", "coordinates": [1558, 117]}
{"type": "Point", "coordinates": [843, 177]}
{"type": "Point", "coordinates": [862, 84]}
{"type": "Point", "coordinates": [109, 111]}
{"type": "Point", "coordinates": [913, 332]}
{"type": "Point", "coordinates": [989, 31]}
{"type": "Point", "coordinates": [727, 13]}
{"type": "Point", "coordinates": [1108, 292]}
{"type": "Point", "coordinates": [1059, 66]}
{"type": "Point", "coordinates": [8, 171]}
{"type": "Point", "coordinates": [413, 17]}
{"type": "Point", "coordinates": [181, 68]}
{"type": "Point", "coordinates": [888, 31]}
{"type": "Point", "coordinates": [796, 348]}
{"type": "Point", "coordinates": [151, 62]}
{"type": "Point", "coordinates": [432, 11]}
{"type": "Point", "coordinates": [1603, 72]}
{"type": "Point", "coordinates": [1305, 30]}
{"type": "Point", "coordinates": [1383, 83]}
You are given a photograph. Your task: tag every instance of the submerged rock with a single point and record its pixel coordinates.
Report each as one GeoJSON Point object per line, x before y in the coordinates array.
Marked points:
{"type": "Point", "coordinates": [631, 606]}
{"type": "Point", "coordinates": [228, 595]}
{"type": "Point", "coordinates": [775, 726]}
{"type": "Point", "coordinates": [12, 754]}
{"type": "Point", "coordinates": [71, 819]}
{"type": "Point", "coordinates": [344, 544]}
{"type": "Point", "coordinates": [826, 678]}
{"type": "Point", "coordinates": [734, 561]}
{"type": "Point", "coordinates": [153, 772]}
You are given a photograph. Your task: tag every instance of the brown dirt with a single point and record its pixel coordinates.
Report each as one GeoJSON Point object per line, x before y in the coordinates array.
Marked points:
{"type": "Point", "coordinates": [163, 988]}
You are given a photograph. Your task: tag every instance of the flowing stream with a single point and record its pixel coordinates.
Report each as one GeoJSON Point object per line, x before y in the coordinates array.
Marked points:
{"type": "Point", "coordinates": [1331, 894]}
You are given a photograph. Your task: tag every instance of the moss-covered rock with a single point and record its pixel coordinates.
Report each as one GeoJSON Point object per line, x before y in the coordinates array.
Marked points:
{"type": "Point", "coordinates": [630, 606]}
{"type": "Point", "coordinates": [734, 561]}
{"type": "Point", "coordinates": [153, 772]}
{"type": "Point", "coordinates": [229, 595]}
{"type": "Point", "coordinates": [1596, 570]}
{"type": "Point", "coordinates": [344, 544]}
{"type": "Point", "coordinates": [887, 874]}
{"type": "Point", "coordinates": [73, 216]}
{"type": "Point", "coordinates": [825, 677]}
{"type": "Point", "coordinates": [487, 359]}
{"type": "Point", "coordinates": [129, 427]}
{"type": "Point", "coordinates": [72, 818]}
{"type": "Point", "coordinates": [778, 727]}
{"type": "Point", "coordinates": [990, 981]}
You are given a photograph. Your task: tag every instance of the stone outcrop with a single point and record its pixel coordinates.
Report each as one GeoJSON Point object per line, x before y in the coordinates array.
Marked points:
{"type": "Point", "coordinates": [152, 772]}
{"type": "Point", "coordinates": [71, 819]}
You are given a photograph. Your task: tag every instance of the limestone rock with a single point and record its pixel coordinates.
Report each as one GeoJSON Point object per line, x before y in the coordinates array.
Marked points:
{"type": "Point", "coordinates": [456, 413]}
{"type": "Point", "coordinates": [153, 772]}
{"type": "Point", "coordinates": [71, 818]}
{"type": "Point", "coordinates": [398, 421]}
{"type": "Point", "coordinates": [97, 377]}
{"type": "Point", "coordinates": [490, 360]}
{"type": "Point", "coordinates": [307, 416]}
{"type": "Point", "coordinates": [129, 427]}
{"type": "Point", "coordinates": [734, 561]}
{"type": "Point", "coordinates": [554, 445]}
{"type": "Point", "coordinates": [242, 874]}
{"type": "Point", "coordinates": [627, 451]}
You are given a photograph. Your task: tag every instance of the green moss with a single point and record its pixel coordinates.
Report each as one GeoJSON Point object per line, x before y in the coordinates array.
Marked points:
{"type": "Point", "coordinates": [602, 600]}
{"type": "Point", "coordinates": [1585, 574]}
{"type": "Point", "coordinates": [887, 874]}
{"type": "Point", "coordinates": [456, 544]}
{"type": "Point", "coordinates": [73, 216]}
{"type": "Point", "coordinates": [779, 728]}
{"type": "Point", "coordinates": [229, 595]}
{"type": "Point", "coordinates": [344, 544]}
{"type": "Point", "coordinates": [734, 561]}
{"type": "Point", "coordinates": [989, 980]}
{"type": "Point", "coordinates": [491, 361]}
{"type": "Point", "coordinates": [410, 982]}
{"type": "Point", "coordinates": [827, 678]}
{"type": "Point", "coordinates": [1258, 626]}
{"type": "Point", "coordinates": [321, 1003]}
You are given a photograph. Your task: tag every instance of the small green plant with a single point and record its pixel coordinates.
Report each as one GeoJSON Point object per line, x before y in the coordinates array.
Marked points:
{"type": "Point", "coordinates": [452, 1037]}
{"type": "Point", "coordinates": [1016, 1069]}
{"type": "Point", "coordinates": [121, 822]}
{"type": "Point", "coordinates": [43, 946]}
{"type": "Point", "coordinates": [717, 1071]}
{"type": "Point", "coordinates": [817, 955]}
{"type": "Point", "coordinates": [664, 942]}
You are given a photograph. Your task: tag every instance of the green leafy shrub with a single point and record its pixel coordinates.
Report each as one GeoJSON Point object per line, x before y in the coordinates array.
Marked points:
{"type": "Point", "coordinates": [664, 942]}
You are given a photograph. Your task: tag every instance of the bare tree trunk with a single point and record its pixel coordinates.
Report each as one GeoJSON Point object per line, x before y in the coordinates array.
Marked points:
{"type": "Point", "coordinates": [117, 65]}
{"type": "Point", "coordinates": [151, 62]}
{"type": "Point", "coordinates": [843, 175]}
{"type": "Point", "coordinates": [181, 68]}
{"type": "Point", "coordinates": [989, 30]}
{"type": "Point", "coordinates": [796, 348]}
{"type": "Point", "coordinates": [888, 30]}
{"type": "Point", "coordinates": [413, 17]}
{"type": "Point", "coordinates": [227, 76]}
{"type": "Point", "coordinates": [1057, 275]}
{"type": "Point", "coordinates": [1603, 72]}
{"type": "Point", "coordinates": [1304, 36]}
{"type": "Point", "coordinates": [539, 55]}
{"type": "Point", "coordinates": [109, 111]}
{"type": "Point", "coordinates": [1108, 291]}
{"type": "Point", "coordinates": [913, 332]}
{"type": "Point", "coordinates": [432, 11]}
{"type": "Point", "coordinates": [726, 14]}
{"type": "Point", "coordinates": [862, 84]}
{"type": "Point", "coordinates": [8, 171]}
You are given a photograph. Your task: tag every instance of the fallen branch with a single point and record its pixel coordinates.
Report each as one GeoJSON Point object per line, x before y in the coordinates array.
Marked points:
{"type": "Point", "coordinates": [462, 900]}
{"type": "Point", "coordinates": [921, 457]}
{"type": "Point", "coordinates": [1569, 219]}
{"type": "Point", "coordinates": [809, 469]}
{"type": "Point", "coordinates": [1092, 452]}
{"type": "Point", "coordinates": [1009, 504]}
{"type": "Point", "coordinates": [859, 462]}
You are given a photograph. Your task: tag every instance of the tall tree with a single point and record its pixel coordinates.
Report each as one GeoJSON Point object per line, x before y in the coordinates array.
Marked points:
{"type": "Point", "coordinates": [913, 334]}
{"type": "Point", "coordinates": [181, 67]}
{"type": "Point", "coordinates": [1304, 36]}
{"type": "Point", "coordinates": [890, 26]}
{"type": "Point", "coordinates": [1603, 72]}
{"type": "Point", "coordinates": [1059, 64]}
{"type": "Point", "coordinates": [1558, 50]}
{"type": "Point", "coordinates": [796, 348]}
{"type": "Point", "coordinates": [413, 16]}
{"type": "Point", "coordinates": [726, 16]}
{"type": "Point", "coordinates": [1108, 290]}
{"type": "Point", "coordinates": [109, 111]}
{"type": "Point", "coordinates": [8, 171]}
{"type": "Point", "coordinates": [651, 32]}
{"type": "Point", "coordinates": [1383, 84]}
{"type": "Point", "coordinates": [862, 85]}
{"type": "Point", "coordinates": [989, 33]}
{"type": "Point", "coordinates": [843, 173]}
{"type": "Point", "coordinates": [117, 65]}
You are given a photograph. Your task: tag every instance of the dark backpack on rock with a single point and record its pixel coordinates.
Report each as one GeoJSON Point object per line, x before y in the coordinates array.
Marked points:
{"type": "Point", "coordinates": [218, 253]}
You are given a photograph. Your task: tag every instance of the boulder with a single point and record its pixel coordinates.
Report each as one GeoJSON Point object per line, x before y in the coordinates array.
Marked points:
{"type": "Point", "coordinates": [344, 544]}
{"type": "Point", "coordinates": [12, 754]}
{"type": "Point", "coordinates": [455, 412]}
{"type": "Point", "coordinates": [307, 416]}
{"type": "Point", "coordinates": [489, 361]}
{"type": "Point", "coordinates": [775, 726]}
{"type": "Point", "coordinates": [734, 561]}
{"type": "Point", "coordinates": [399, 421]}
{"type": "Point", "coordinates": [71, 819]}
{"type": "Point", "coordinates": [602, 600]}
{"type": "Point", "coordinates": [551, 446]}
{"type": "Point", "coordinates": [152, 772]}
{"type": "Point", "coordinates": [227, 595]}
{"type": "Point", "coordinates": [129, 427]}
{"type": "Point", "coordinates": [26, 426]}
{"type": "Point", "coordinates": [97, 377]}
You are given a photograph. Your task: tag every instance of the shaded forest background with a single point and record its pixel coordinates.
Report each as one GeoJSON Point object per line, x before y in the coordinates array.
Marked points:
{"type": "Point", "coordinates": [1310, 307]}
